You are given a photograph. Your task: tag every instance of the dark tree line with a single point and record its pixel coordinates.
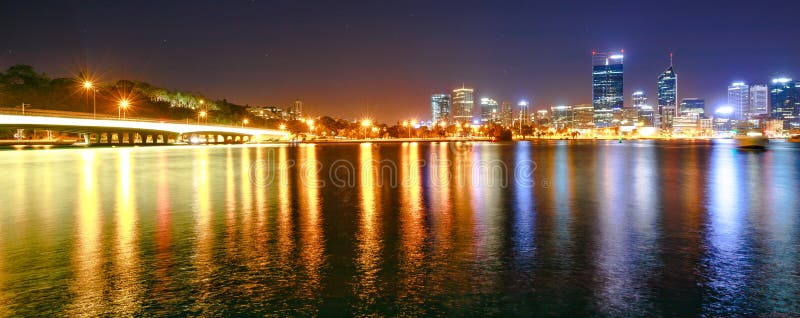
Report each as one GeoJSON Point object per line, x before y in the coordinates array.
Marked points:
{"type": "Point", "coordinates": [23, 84]}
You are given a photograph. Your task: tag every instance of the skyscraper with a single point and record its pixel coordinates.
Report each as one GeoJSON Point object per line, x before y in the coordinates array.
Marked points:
{"type": "Point", "coordinates": [639, 99]}
{"type": "Point", "coordinates": [440, 107]}
{"type": "Point", "coordinates": [693, 107]}
{"type": "Point", "coordinates": [463, 102]}
{"type": "Point", "coordinates": [562, 117]}
{"type": "Point", "coordinates": [785, 101]}
{"type": "Point", "coordinates": [506, 114]}
{"type": "Point", "coordinates": [583, 116]}
{"type": "Point", "coordinates": [607, 86]}
{"type": "Point", "coordinates": [739, 99]}
{"type": "Point", "coordinates": [644, 112]}
{"type": "Point", "coordinates": [490, 112]}
{"type": "Point", "coordinates": [668, 95]}
{"type": "Point", "coordinates": [296, 110]}
{"type": "Point", "coordinates": [759, 101]}
{"type": "Point", "coordinates": [524, 118]}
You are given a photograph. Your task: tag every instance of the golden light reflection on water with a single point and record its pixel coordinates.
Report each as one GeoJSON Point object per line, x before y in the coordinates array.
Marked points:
{"type": "Point", "coordinates": [441, 214]}
{"type": "Point", "coordinates": [368, 261]}
{"type": "Point", "coordinates": [261, 208]}
{"type": "Point", "coordinates": [412, 228]}
{"type": "Point", "coordinates": [246, 209]}
{"type": "Point", "coordinates": [230, 202]}
{"type": "Point", "coordinates": [163, 237]}
{"type": "Point", "coordinates": [204, 232]}
{"type": "Point", "coordinates": [87, 287]}
{"type": "Point", "coordinates": [285, 238]}
{"type": "Point", "coordinates": [311, 237]}
{"type": "Point", "coordinates": [126, 288]}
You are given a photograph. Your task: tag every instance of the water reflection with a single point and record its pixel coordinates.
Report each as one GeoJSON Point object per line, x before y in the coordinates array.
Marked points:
{"type": "Point", "coordinates": [88, 286]}
{"type": "Point", "coordinates": [368, 261]}
{"type": "Point", "coordinates": [311, 238]}
{"type": "Point", "coordinates": [285, 240]}
{"type": "Point", "coordinates": [632, 229]}
{"type": "Point", "coordinates": [204, 233]}
{"type": "Point", "coordinates": [412, 228]}
{"type": "Point", "coordinates": [163, 237]}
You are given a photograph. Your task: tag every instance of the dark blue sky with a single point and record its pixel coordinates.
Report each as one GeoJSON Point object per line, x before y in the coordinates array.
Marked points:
{"type": "Point", "coordinates": [384, 58]}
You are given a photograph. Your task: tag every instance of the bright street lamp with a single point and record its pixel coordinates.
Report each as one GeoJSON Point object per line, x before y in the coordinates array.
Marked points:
{"type": "Point", "coordinates": [366, 123]}
{"type": "Point", "coordinates": [88, 85]}
{"type": "Point", "coordinates": [123, 106]}
{"type": "Point", "coordinates": [245, 122]}
{"type": "Point", "coordinates": [201, 114]}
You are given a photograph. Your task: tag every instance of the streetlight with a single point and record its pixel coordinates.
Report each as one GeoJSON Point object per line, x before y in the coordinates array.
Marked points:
{"type": "Point", "coordinates": [282, 127]}
{"type": "Point", "coordinates": [88, 85]}
{"type": "Point", "coordinates": [123, 105]}
{"type": "Point", "coordinates": [245, 122]}
{"type": "Point", "coordinates": [200, 114]}
{"type": "Point", "coordinates": [366, 123]}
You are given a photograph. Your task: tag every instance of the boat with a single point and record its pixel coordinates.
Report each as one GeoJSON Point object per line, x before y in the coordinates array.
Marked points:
{"type": "Point", "coordinates": [794, 135]}
{"type": "Point", "coordinates": [751, 139]}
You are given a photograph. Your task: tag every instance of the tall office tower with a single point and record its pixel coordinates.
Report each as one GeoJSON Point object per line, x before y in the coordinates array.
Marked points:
{"type": "Point", "coordinates": [562, 117]}
{"type": "Point", "coordinates": [490, 111]}
{"type": "Point", "coordinates": [296, 110]}
{"type": "Point", "coordinates": [784, 95]}
{"type": "Point", "coordinates": [583, 116]}
{"type": "Point", "coordinates": [644, 112]}
{"type": "Point", "coordinates": [542, 118]}
{"type": "Point", "coordinates": [440, 107]}
{"type": "Point", "coordinates": [759, 101]}
{"type": "Point", "coordinates": [639, 99]}
{"type": "Point", "coordinates": [739, 99]}
{"type": "Point", "coordinates": [668, 95]}
{"type": "Point", "coordinates": [607, 86]}
{"type": "Point", "coordinates": [463, 102]}
{"type": "Point", "coordinates": [693, 107]}
{"type": "Point", "coordinates": [506, 114]}
{"type": "Point", "coordinates": [524, 117]}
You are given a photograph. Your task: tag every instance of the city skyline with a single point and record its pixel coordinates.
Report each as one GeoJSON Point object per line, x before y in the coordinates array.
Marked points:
{"type": "Point", "coordinates": [328, 57]}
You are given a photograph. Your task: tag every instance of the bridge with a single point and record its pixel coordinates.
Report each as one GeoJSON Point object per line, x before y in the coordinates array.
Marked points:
{"type": "Point", "coordinates": [113, 131]}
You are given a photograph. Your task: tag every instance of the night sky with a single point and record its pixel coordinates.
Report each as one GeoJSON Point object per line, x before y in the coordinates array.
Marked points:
{"type": "Point", "coordinates": [384, 58]}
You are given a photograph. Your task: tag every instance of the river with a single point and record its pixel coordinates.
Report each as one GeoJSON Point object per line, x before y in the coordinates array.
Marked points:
{"type": "Point", "coordinates": [640, 228]}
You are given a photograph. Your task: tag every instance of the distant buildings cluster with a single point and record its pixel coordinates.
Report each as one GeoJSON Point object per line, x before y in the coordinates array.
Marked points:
{"type": "Point", "coordinates": [293, 112]}
{"type": "Point", "coordinates": [457, 108]}
{"type": "Point", "coordinates": [772, 107]}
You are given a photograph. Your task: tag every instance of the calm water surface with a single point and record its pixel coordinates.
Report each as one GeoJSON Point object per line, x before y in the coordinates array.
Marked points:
{"type": "Point", "coordinates": [551, 228]}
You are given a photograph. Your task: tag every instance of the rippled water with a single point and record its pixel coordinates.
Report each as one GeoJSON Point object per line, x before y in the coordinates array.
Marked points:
{"type": "Point", "coordinates": [551, 228]}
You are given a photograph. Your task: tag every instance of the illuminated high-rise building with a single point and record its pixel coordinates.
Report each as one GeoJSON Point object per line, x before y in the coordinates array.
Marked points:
{"type": "Point", "coordinates": [506, 114]}
{"type": "Point", "coordinates": [583, 115]}
{"type": "Point", "coordinates": [639, 99]}
{"type": "Point", "coordinates": [645, 116]}
{"type": "Point", "coordinates": [693, 107]}
{"type": "Point", "coordinates": [296, 110]}
{"type": "Point", "coordinates": [463, 102]}
{"type": "Point", "coordinates": [607, 86]}
{"type": "Point", "coordinates": [668, 95]}
{"type": "Point", "coordinates": [490, 111]}
{"type": "Point", "coordinates": [739, 99]}
{"type": "Point", "coordinates": [784, 94]}
{"type": "Point", "coordinates": [562, 117]}
{"type": "Point", "coordinates": [759, 101]}
{"type": "Point", "coordinates": [440, 107]}
{"type": "Point", "coordinates": [524, 117]}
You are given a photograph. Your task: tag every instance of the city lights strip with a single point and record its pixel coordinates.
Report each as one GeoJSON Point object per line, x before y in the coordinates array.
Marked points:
{"type": "Point", "coordinates": [11, 120]}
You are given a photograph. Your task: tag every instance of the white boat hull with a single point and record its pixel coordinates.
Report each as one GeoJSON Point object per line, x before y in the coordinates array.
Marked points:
{"type": "Point", "coordinates": [751, 142]}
